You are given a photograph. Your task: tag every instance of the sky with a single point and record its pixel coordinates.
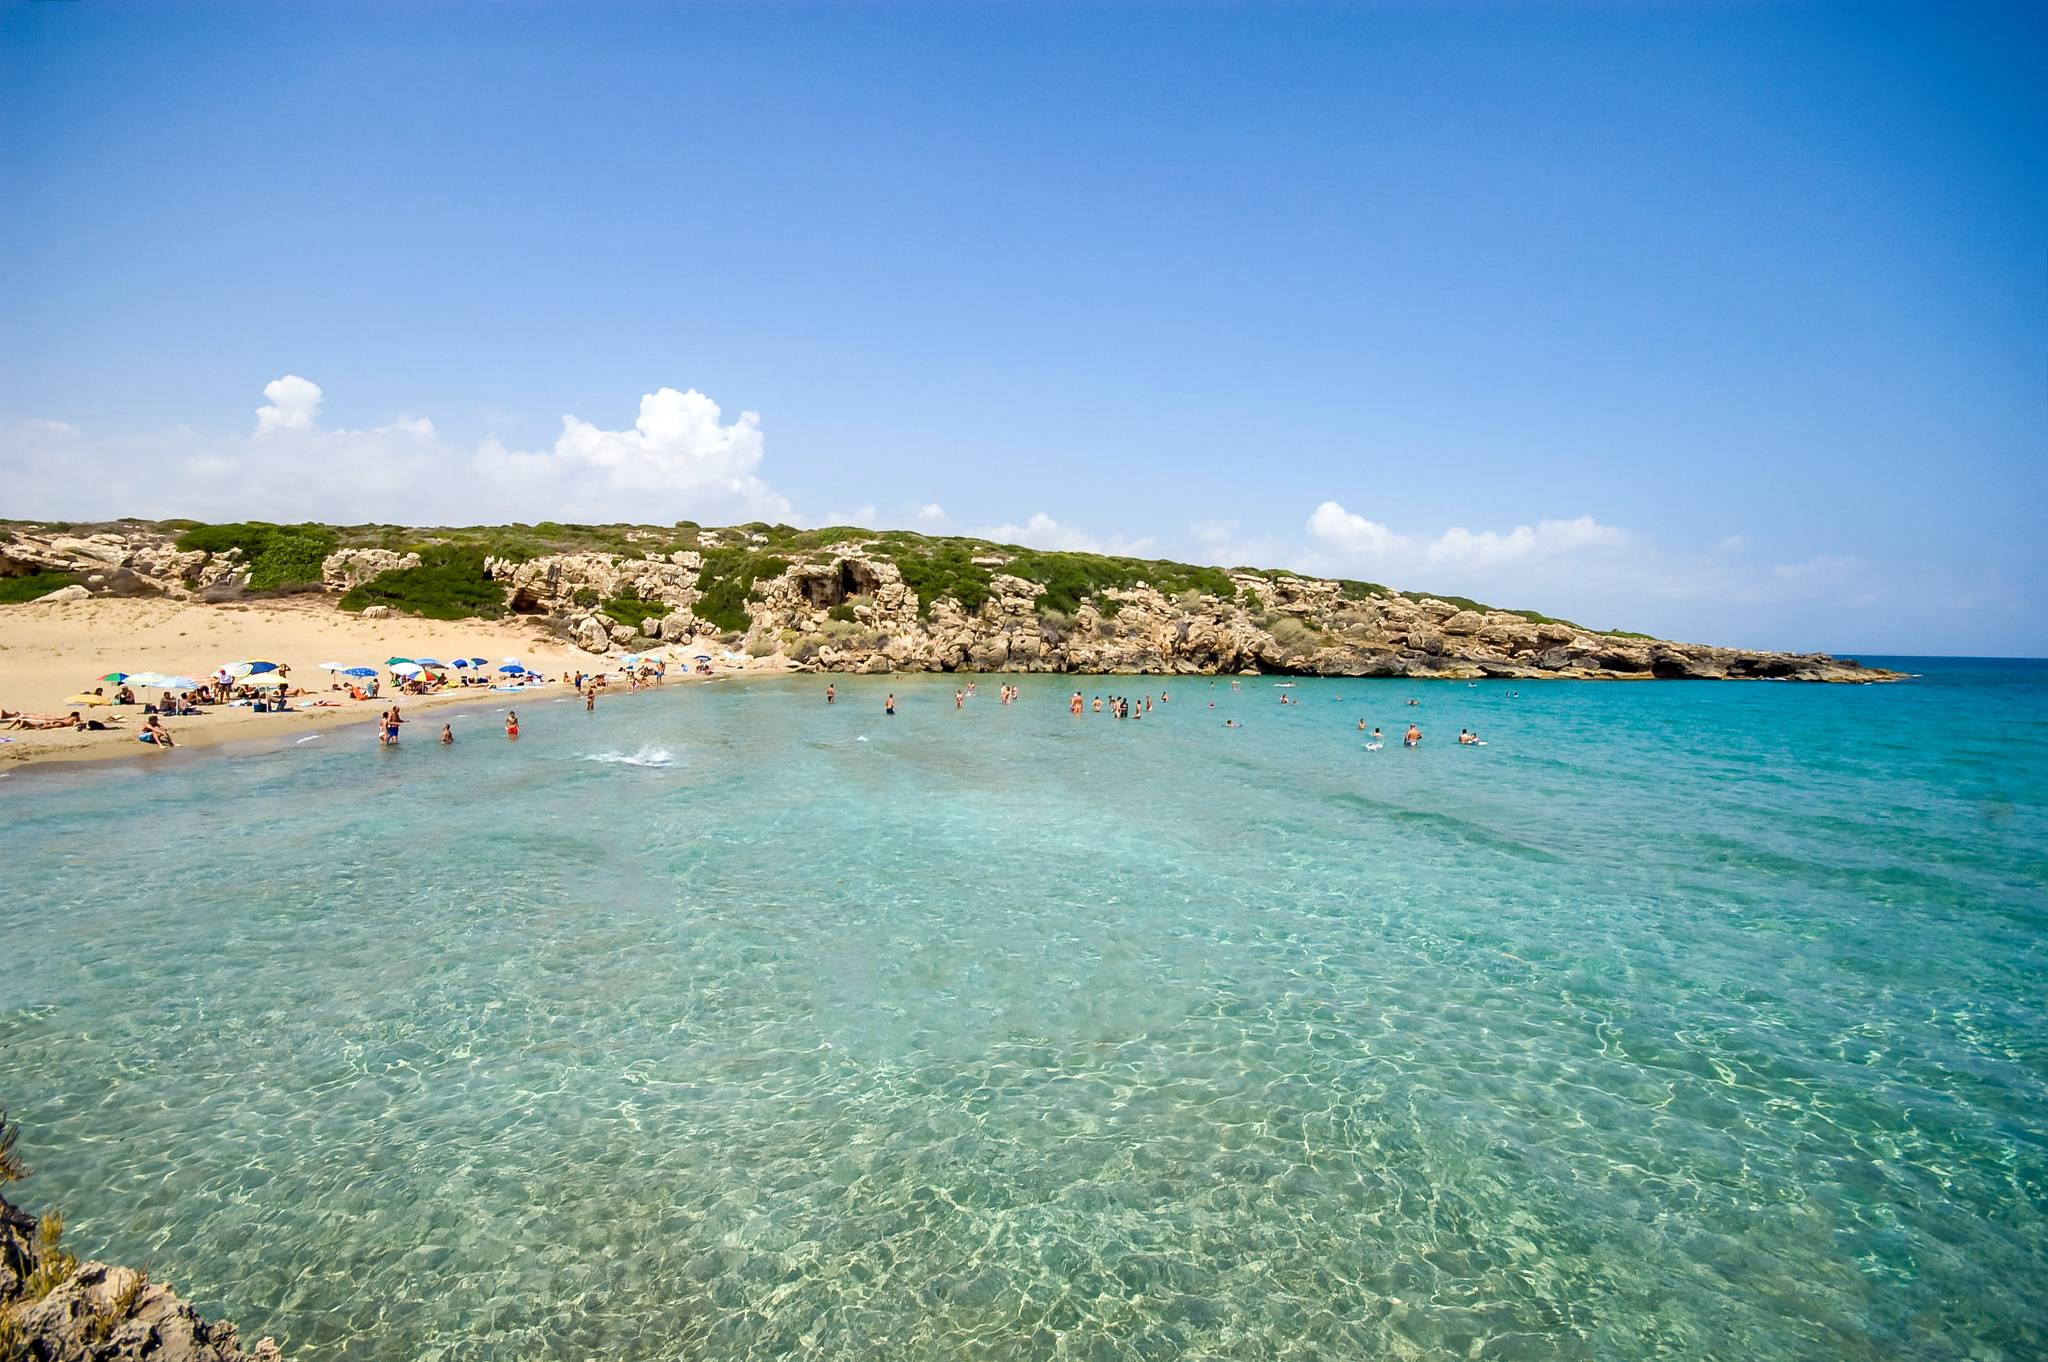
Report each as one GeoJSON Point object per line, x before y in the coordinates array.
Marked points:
{"type": "Point", "coordinates": [1726, 322]}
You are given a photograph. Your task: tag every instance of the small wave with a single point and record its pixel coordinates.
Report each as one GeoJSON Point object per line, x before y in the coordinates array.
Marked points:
{"type": "Point", "coordinates": [862, 738]}
{"type": "Point", "coordinates": [308, 738]}
{"type": "Point", "coordinates": [646, 756]}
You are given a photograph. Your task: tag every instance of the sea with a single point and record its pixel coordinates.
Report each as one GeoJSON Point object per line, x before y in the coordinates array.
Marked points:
{"type": "Point", "coordinates": [1678, 1020]}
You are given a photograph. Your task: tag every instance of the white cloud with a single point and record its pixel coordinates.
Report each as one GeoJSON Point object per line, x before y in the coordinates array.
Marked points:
{"type": "Point", "coordinates": [294, 405]}
{"type": "Point", "coordinates": [680, 459]}
{"type": "Point", "coordinates": [863, 516]}
{"type": "Point", "coordinates": [931, 513]}
{"type": "Point", "coordinates": [1356, 537]}
{"type": "Point", "coordinates": [1041, 531]}
{"type": "Point", "coordinates": [1734, 543]}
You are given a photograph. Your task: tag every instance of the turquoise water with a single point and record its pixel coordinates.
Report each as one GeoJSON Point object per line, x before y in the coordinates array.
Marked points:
{"type": "Point", "coordinates": [1688, 1021]}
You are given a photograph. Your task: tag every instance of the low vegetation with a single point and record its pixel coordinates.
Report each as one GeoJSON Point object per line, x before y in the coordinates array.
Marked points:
{"type": "Point", "coordinates": [633, 611]}
{"type": "Point", "coordinates": [15, 590]}
{"type": "Point", "coordinates": [279, 557]}
{"type": "Point", "coordinates": [726, 583]}
{"type": "Point", "coordinates": [449, 584]}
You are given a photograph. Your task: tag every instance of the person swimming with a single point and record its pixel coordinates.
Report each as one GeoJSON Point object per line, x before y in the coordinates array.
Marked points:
{"type": "Point", "coordinates": [447, 734]}
{"type": "Point", "coordinates": [1232, 723]}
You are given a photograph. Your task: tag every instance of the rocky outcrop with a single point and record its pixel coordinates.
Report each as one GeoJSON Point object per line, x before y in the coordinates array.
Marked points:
{"type": "Point", "coordinates": [345, 569]}
{"type": "Point", "coordinates": [55, 1309]}
{"type": "Point", "coordinates": [847, 607]}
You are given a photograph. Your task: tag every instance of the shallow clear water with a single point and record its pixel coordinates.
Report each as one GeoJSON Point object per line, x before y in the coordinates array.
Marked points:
{"type": "Point", "coordinates": [1680, 1020]}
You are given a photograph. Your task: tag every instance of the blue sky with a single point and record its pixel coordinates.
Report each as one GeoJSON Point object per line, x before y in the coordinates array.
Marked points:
{"type": "Point", "coordinates": [1721, 321]}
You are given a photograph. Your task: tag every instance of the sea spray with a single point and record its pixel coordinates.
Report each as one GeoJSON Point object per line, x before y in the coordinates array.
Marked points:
{"type": "Point", "coordinates": [648, 755]}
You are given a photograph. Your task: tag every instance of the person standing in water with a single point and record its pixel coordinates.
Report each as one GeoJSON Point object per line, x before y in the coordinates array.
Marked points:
{"type": "Point", "coordinates": [889, 705]}
{"type": "Point", "coordinates": [511, 723]}
{"type": "Point", "coordinates": [1412, 738]}
{"type": "Point", "coordinates": [959, 699]}
{"type": "Point", "coordinates": [447, 734]}
{"type": "Point", "coordinates": [1074, 705]}
{"type": "Point", "coordinates": [830, 693]}
{"type": "Point", "coordinates": [590, 701]}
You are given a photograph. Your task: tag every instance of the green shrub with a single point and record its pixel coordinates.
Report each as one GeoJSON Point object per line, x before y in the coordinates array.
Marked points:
{"type": "Point", "coordinates": [842, 612]}
{"type": "Point", "coordinates": [632, 611]}
{"type": "Point", "coordinates": [726, 583]}
{"type": "Point", "coordinates": [449, 584]}
{"type": "Point", "coordinates": [15, 590]}
{"type": "Point", "coordinates": [940, 568]}
{"type": "Point", "coordinates": [277, 557]}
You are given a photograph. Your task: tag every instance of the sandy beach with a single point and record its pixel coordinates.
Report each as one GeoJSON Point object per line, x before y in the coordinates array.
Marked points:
{"type": "Point", "coordinates": [49, 651]}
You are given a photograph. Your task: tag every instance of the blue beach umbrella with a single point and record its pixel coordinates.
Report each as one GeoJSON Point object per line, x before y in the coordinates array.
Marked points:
{"type": "Point", "coordinates": [358, 671]}
{"type": "Point", "coordinates": [479, 662]}
{"type": "Point", "coordinates": [513, 669]}
{"type": "Point", "coordinates": [461, 662]}
{"type": "Point", "coordinates": [430, 662]}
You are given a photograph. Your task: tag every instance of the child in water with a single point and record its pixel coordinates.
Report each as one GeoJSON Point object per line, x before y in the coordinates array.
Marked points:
{"type": "Point", "coordinates": [447, 734]}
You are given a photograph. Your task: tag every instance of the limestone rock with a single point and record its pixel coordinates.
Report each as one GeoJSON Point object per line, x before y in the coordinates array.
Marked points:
{"type": "Point", "coordinates": [376, 612]}
{"type": "Point", "coordinates": [74, 592]}
{"type": "Point", "coordinates": [345, 569]}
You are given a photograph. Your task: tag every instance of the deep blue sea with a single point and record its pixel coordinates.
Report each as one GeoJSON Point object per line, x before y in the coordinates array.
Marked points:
{"type": "Point", "coordinates": [1679, 1021]}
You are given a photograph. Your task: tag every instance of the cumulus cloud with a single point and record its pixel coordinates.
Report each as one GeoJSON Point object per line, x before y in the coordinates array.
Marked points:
{"type": "Point", "coordinates": [931, 513]}
{"type": "Point", "coordinates": [294, 405]}
{"type": "Point", "coordinates": [1041, 531]}
{"type": "Point", "coordinates": [680, 459]}
{"type": "Point", "coordinates": [1358, 537]}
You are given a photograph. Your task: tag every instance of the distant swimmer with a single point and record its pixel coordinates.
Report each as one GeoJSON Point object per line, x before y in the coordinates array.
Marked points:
{"type": "Point", "coordinates": [1466, 739]}
{"type": "Point", "coordinates": [1074, 705]}
{"type": "Point", "coordinates": [1415, 702]}
{"type": "Point", "coordinates": [1162, 697]}
{"type": "Point", "coordinates": [830, 693]}
{"type": "Point", "coordinates": [1232, 723]}
{"type": "Point", "coordinates": [1361, 725]}
{"type": "Point", "coordinates": [1376, 736]}
{"type": "Point", "coordinates": [1098, 704]}
{"type": "Point", "coordinates": [1412, 738]}
{"type": "Point", "coordinates": [959, 699]}
{"type": "Point", "coordinates": [511, 723]}
{"type": "Point", "coordinates": [889, 705]}
{"type": "Point", "coordinates": [447, 734]}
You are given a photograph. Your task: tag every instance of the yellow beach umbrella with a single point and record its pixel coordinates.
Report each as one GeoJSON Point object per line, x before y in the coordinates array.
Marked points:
{"type": "Point", "coordinates": [88, 698]}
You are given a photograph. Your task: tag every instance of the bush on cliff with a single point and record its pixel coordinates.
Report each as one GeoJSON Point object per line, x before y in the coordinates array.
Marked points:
{"type": "Point", "coordinates": [726, 582]}
{"type": "Point", "coordinates": [449, 584]}
{"type": "Point", "coordinates": [278, 557]}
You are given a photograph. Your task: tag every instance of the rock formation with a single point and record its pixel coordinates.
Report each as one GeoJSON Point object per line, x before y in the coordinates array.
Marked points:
{"type": "Point", "coordinates": [846, 607]}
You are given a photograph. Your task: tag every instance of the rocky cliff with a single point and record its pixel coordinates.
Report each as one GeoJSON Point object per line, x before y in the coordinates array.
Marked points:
{"type": "Point", "coordinates": [852, 600]}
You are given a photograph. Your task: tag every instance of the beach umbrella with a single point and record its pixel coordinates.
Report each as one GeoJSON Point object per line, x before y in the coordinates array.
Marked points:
{"type": "Point", "coordinates": [479, 662]}
{"type": "Point", "coordinates": [334, 666]}
{"type": "Point", "coordinates": [176, 683]}
{"type": "Point", "coordinates": [258, 668]}
{"type": "Point", "coordinates": [407, 669]}
{"type": "Point", "coordinates": [461, 662]}
{"type": "Point", "coordinates": [396, 661]}
{"type": "Point", "coordinates": [430, 662]}
{"type": "Point", "coordinates": [702, 657]}
{"type": "Point", "coordinates": [513, 669]}
{"type": "Point", "coordinates": [236, 669]}
{"type": "Point", "coordinates": [88, 698]}
{"type": "Point", "coordinates": [116, 677]}
{"type": "Point", "coordinates": [358, 671]}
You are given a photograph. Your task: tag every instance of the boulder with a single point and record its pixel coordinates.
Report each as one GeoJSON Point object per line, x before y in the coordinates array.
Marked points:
{"type": "Point", "coordinates": [74, 592]}
{"type": "Point", "coordinates": [376, 612]}
{"type": "Point", "coordinates": [345, 569]}
{"type": "Point", "coordinates": [591, 635]}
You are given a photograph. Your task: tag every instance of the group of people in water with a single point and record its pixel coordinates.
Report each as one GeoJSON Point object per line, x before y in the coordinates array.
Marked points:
{"type": "Point", "coordinates": [1138, 706]}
